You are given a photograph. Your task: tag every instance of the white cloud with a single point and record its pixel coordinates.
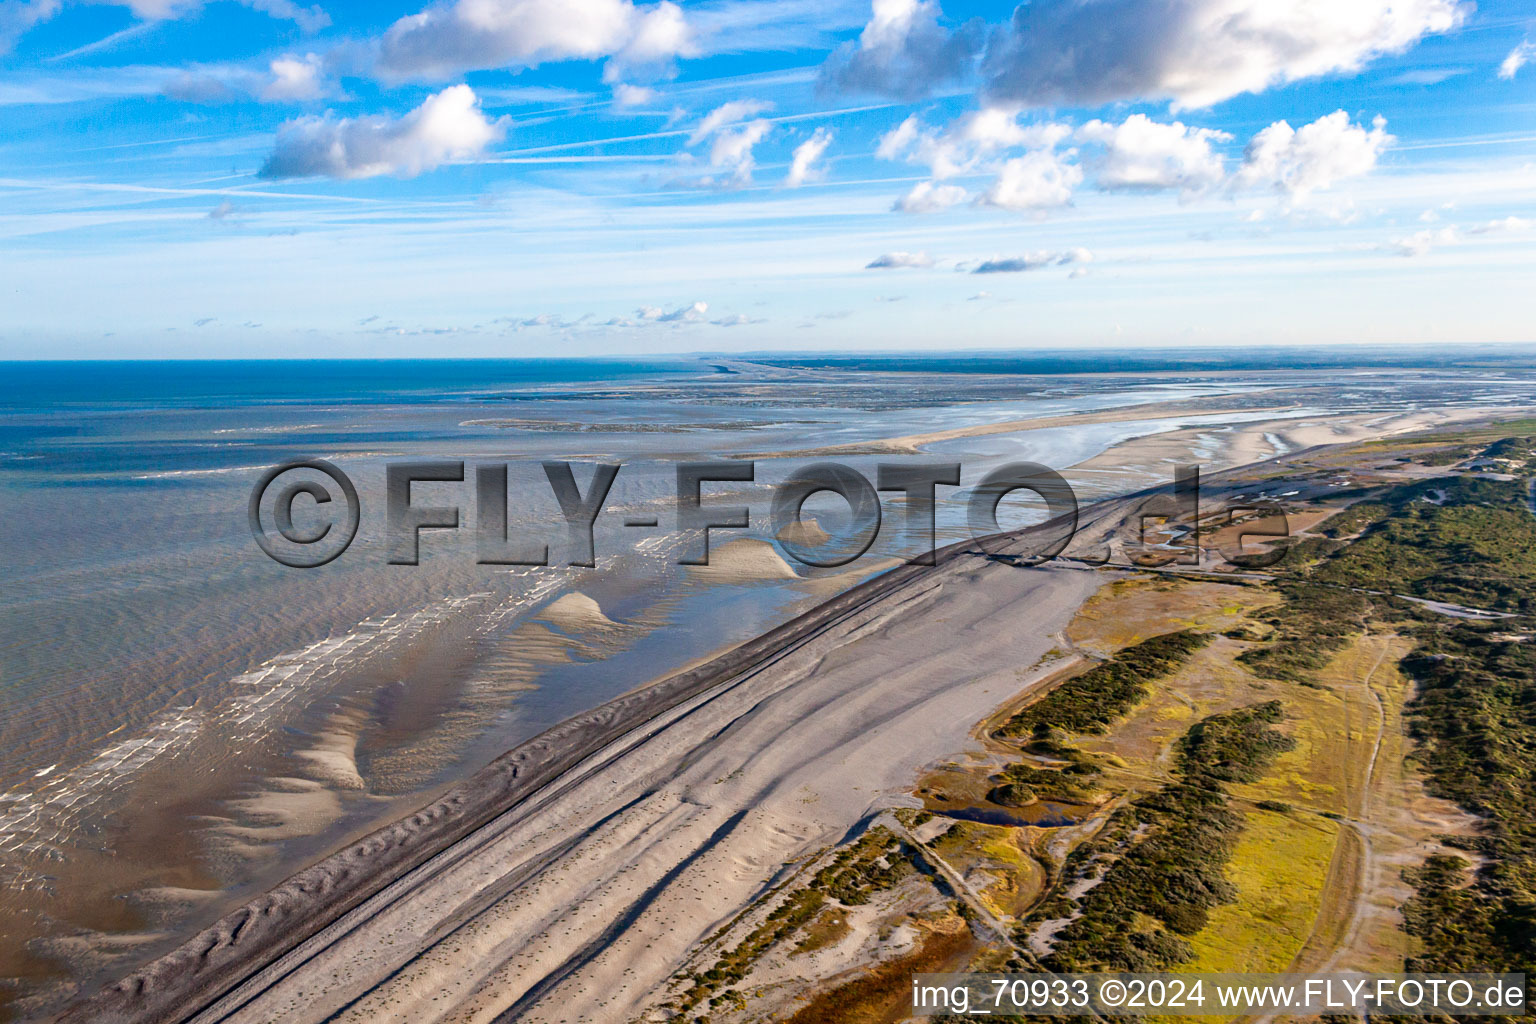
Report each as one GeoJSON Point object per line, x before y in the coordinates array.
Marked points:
{"type": "Point", "coordinates": [660, 35]}
{"type": "Point", "coordinates": [447, 126]}
{"type": "Point", "coordinates": [802, 165]}
{"type": "Point", "coordinates": [1037, 180]}
{"type": "Point", "coordinates": [1140, 153]}
{"type": "Point", "coordinates": [900, 260]}
{"type": "Point", "coordinates": [967, 142]}
{"type": "Point", "coordinates": [1136, 153]}
{"type": "Point", "coordinates": [930, 197]}
{"type": "Point", "coordinates": [1421, 242]}
{"type": "Point", "coordinates": [1503, 224]}
{"type": "Point", "coordinates": [903, 51]}
{"type": "Point", "coordinates": [18, 16]}
{"type": "Point", "coordinates": [731, 144]}
{"type": "Point", "coordinates": [1032, 261]}
{"type": "Point", "coordinates": [286, 80]}
{"type": "Point", "coordinates": [626, 96]}
{"type": "Point", "coordinates": [451, 38]}
{"type": "Point", "coordinates": [1302, 160]}
{"type": "Point", "coordinates": [734, 112]}
{"type": "Point", "coordinates": [732, 150]}
{"type": "Point", "coordinates": [690, 314]}
{"type": "Point", "coordinates": [1195, 52]}
{"type": "Point", "coordinates": [296, 78]}
{"type": "Point", "coordinates": [1518, 58]}
{"type": "Point", "coordinates": [310, 19]}
{"type": "Point", "coordinates": [899, 139]}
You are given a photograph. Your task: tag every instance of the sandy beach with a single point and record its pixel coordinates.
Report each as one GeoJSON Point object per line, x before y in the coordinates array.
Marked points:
{"type": "Point", "coordinates": [569, 879]}
{"type": "Point", "coordinates": [660, 813]}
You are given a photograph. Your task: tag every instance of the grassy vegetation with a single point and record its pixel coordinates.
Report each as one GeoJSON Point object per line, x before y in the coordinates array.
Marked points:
{"type": "Point", "coordinates": [1514, 449]}
{"type": "Point", "coordinates": [1311, 625]}
{"type": "Point", "coordinates": [885, 992]}
{"type": "Point", "coordinates": [876, 862]}
{"type": "Point", "coordinates": [1092, 701]}
{"type": "Point", "coordinates": [1463, 540]}
{"type": "Point", "coordinates": [1166, 853]}
{"type": "Point", "coordinates": [1278, 868]}
{"type": "Point", "coordinates": [1476, 719]}
{"type": "Point", "coordinates": [1022, 784]}
{"type": "Point", "coordinates": [1468, 541]}
{"type": "Point", "coordinates": [1355, 519]}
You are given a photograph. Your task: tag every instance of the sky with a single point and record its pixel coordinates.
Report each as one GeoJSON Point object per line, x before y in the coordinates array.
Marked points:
{"type": "Point", "coordinates": [279, 178]}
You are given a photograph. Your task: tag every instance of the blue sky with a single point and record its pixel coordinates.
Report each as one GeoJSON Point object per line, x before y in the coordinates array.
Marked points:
{"type": "Point", "coordinates": [565, 177]}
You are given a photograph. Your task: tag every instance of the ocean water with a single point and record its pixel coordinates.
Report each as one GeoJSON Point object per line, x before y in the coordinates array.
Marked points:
{"type": "Point", "coordinates": [183, 721]}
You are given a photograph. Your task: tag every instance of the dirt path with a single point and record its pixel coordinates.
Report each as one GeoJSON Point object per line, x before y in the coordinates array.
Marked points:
{"type": "Point", "coordinates": [1391, 825]}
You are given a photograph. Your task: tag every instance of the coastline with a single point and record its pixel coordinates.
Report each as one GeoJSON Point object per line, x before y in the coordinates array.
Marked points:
{"type": "Point", "coordinates": [180, 984]}
{"type": "Point", "coordinates": [183, 982]}
{"type": "Point", "coordinates": [253, 950]}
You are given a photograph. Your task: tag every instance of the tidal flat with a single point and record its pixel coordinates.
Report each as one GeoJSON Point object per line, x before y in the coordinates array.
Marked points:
{"type": "Point", "coordinates": [163, 679]}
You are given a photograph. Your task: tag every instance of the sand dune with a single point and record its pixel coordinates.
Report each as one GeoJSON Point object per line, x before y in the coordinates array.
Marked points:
{"type": "Point", "coordinates": [744, 560]}
{"type": "Point", "coordinates": [575, 613]}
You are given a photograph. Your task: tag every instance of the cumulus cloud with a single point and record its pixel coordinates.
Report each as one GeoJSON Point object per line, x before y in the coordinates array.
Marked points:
{"type": "Point", "coordinates": [904, 52]}
{"type": "Point", "coordinates": [930, 197]}
{"type": "Point", "coordinates": [1518, 58]}
{"type": "Point", "coordinates": [977, 141]}
{"type": "Point", "coordinates": [731, 144]}
{"type": "Point", "coordinates": [900, 260]}
{"type": "Point", "coordinates": [1140, 153]}
{"type": "Point", "coordinates": [967, 142]}
{"type": "Point", "coordinates": [625, 96]}
{"type": "Point", "coordinates": [296, 78]}
{"type": "Point", "coordinates": [1032, 261]}
{"type": "Point", "coordinates": [1302, 160]}
{"type": "Point", "coordinates": [286, 80]}
{"type": "Point", "coordinates": [802, 165]}
{"type": "Point", "coordinates": [1037, 180]}
{"type": "Point", "coordinates": [451, 38]}
{"type": "Point", "coordinates": [899, 139]}
{"type": "Point", "coordinates": [733, 112]}
{"type": "Point", "coordinates": [1033, 172]}
{"type": "Point", "coordinates": [1194, 52]}
{"type": "Point", "coordinates": [731, 151]}
{"type": "Point", "coordinates": [447, 126]}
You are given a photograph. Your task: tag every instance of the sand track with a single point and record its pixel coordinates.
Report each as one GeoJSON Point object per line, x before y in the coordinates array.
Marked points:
{"type": "Point", "coordinates": [280, 942]}
{"type": "Point", "coordinates": [583, 907]}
